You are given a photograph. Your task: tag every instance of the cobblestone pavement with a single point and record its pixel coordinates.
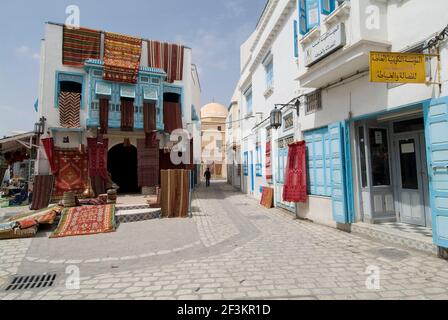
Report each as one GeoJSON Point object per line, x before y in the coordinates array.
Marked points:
{"type": "Point", "coordinates": [236, 250]}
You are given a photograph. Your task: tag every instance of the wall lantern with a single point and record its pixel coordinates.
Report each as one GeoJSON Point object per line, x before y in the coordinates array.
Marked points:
{"type": "Point", "coordinates": [276, 114]}
{"type": "Point", "coordinates": [39, 127]}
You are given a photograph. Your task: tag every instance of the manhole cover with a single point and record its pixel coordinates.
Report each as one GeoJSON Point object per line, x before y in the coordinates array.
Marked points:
{"type": "Point", "coordinates": [31, 282]}
{"type": "Point", "coordinates": [392, 253]}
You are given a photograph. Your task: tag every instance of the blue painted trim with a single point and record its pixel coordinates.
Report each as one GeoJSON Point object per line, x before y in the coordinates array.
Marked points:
{"type": "Point", "coordinates": [349, 191]}
{"type": "Point", "coordinates": [57, 87]}
{"type": "Point", "coordinates": [296, 39]}
{"type": "Point", "coordinates": [252, 176]}
{"type": "Point", "coordinates": [170, 88]}
{"type": "Point", "coordinates": [246, 164]}
{"type": "Point", "coordinates": [435, 210]}
{"type": "Point", "coordinates": [331, 4]}
{"type": "Point", "coordinates": [259, 165]}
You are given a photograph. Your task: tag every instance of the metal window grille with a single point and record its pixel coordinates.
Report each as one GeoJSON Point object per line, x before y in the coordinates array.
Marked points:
{"type": "Point", "coordinates": [313, 102]}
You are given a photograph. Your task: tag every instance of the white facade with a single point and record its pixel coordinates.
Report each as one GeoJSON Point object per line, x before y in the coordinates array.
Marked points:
{"type": "Point", "coordinates": [360, 107]}
{"type": "Point", "coordinates": [51, 66]}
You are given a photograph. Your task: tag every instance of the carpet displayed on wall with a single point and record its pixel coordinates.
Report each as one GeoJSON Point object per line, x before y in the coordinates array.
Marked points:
{"type": "Point", "coordinates": [121, 57]}
{"type": "Point", "coordinates": [148, 164]}
{"type": "Point", "coordinates": [127, 115]}
{"type": "Point", "coordinates": [267, 198]}
{"type": "Point", "coordinates": [166, 56]}
{"type": "Point", "coordinates": [42, 190]}
{"type": "Point", "coordinates": [295, 188]}
{"type": "Point", "coordinates": [172, 116]}
{"type": "Point", "coordinates": [72, 172]}
{"type": "Point", "coordinates": [48, 144]}
{"type": "Point", "coordinates": [97, 150]}
{"type": "Point", "coordinates": [79, 45]}
{"type": "Point", "coordinates": [175, 193]}
{"type": "Point", "coordinates": [70, 109]}
{"type": "Point", "coordinates": [86, 220]}
{"type": "Point", "coordinates": [268, 162]}
{"type": "Point", "coordinates": [104, 116]}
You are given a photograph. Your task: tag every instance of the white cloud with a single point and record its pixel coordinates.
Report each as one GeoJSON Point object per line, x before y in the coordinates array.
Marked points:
{"type": "Point", "coordinates": [25, 51]}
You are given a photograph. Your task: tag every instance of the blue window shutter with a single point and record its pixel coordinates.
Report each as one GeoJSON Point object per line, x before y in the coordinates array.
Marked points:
{"type": "Point", "coordinates": [339, 202]}
{"type": "Point", "coordinates": [303, 27]}
{"type": "Point", "coordinates": [296, 40]}
{"type": "Point", "coordinates": [312, 14]}
{"type": "Point", "coordinates": [436, 128]}
{"type": "Point", "coordinates": [327, 6]}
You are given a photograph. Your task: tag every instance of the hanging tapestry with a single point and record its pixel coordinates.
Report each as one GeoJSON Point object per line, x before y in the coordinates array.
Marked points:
{"type": "Point", "coordinates": [149, 123]}
{"type": "Point", "coordinates": [127, 115]}
{"type": "Point", "coordinates": [80, 45]}
{"type": "Point", "coordinates": [104, 115]}
{"type": "Point", "coordinates": [175, 193]}
{"type": "Point", "coordinates": [295, 188]}
{"type": "Point", "coordinates": [42, 190]}
{"type": "Point", "coordinates": [169, 57]}
{"type": "Point", "coordinates": [148, 164]}
{"type": "Point", "coordinates": [70, 109]}
{"type": "Point", "coordinates": [98, 157]}
{"type": "Point", "coordinates": [86, 220]}
{"type": "Point", "coordinates": [121, 58]}
{"type": "Point", "coordinates": [48, 144]}
{"type": "Point", "coordinates": [268, 162]}
{"type": "Point", "coordinates": [172, 116]}
{"type": "Point", "coordinates": [72, 172]}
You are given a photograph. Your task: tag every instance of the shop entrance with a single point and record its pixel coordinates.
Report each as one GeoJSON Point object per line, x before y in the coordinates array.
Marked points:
{"type": "Point", "coordinates": [122, 165]}
{"type": "Point", "coordinates": [394, 184]}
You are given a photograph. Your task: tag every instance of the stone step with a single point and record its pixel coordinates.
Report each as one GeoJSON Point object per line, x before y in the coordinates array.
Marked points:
{"type": "Point", "coordinates": [135, 215]}
{"type": "Point", "coordinates": [394, 236]}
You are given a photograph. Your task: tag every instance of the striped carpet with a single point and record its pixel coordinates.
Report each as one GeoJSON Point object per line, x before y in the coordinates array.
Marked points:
{"type": "Point", "coordinates": [69, 109]}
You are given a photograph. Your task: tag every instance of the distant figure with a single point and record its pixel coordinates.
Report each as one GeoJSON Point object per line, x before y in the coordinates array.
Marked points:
{"type": "Point", "coordinates": [208, 176]}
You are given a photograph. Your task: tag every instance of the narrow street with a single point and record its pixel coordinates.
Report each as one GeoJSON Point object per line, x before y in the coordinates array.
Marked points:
{"type": "Point", "coordinates": [231, 249]}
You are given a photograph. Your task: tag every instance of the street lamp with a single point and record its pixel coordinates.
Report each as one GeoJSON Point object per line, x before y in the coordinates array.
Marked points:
{"type": "Point", "coordinates": [276, 114]}
{"type": "Point", "coordinates": [39, 127]}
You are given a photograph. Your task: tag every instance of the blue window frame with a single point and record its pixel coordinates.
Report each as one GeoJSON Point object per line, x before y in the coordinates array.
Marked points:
{"type": "Point", "coordinates": [259, 165]}
{"type": "Point", "coordinates": [246, 164]}
{"type": "Point", "coordinates": [309, 13]}
{"type": "Point", "coordinates": [248, 98]}
{"type": "Point", "coordinates": [319, 162]}
{"type": "Point", "coordinates": [269, 67]}
{"type": "Point", "coordinates": [327, 6]}
{"type": "Point", "coordinates": [68, 77]}
{"type": "Point", "coordinates": [296, 39]}
{"type": "Point", "coordinates": [194, 114]}
{"type": "Point", "coordinates": [281, 165]}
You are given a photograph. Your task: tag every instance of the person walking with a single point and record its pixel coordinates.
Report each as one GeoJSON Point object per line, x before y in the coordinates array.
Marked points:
{"type": "Point", "coordinates": [208, 176]}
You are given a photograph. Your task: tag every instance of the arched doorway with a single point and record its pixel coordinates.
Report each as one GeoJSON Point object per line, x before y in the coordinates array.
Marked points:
{"type": "Point", "coordinates": [122, 165]}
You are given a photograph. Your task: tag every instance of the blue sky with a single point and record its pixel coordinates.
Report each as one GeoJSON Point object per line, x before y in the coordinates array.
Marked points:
{"type": "Point", "coordinates": [214, 29]}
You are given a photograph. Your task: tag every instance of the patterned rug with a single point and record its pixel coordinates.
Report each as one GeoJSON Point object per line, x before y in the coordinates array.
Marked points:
{"type": "Point", "coordinates": [86, 220]}
{"type": "Point", "coordinates": [169, 57]}
{"type": "Point", "coordinates": [42, 189]}
{"type": "Point", "coordinates": [70, 109]}
{"type": "Point", "coordinates": [148, 164]}
{"type": "Point", "coordinates": [121, 57]}
{"type": "Point", "coordinates": [72, 172]}
{"type": "Point", "coordinates": [80, 45]}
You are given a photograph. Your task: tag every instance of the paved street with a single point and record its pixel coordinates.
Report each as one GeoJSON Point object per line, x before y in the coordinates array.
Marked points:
{"type": "Point", "coordinates": [231, 249]}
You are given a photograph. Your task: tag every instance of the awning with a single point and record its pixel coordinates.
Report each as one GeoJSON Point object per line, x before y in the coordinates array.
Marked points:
{"type": "Point", "coordinates": [12, 143]}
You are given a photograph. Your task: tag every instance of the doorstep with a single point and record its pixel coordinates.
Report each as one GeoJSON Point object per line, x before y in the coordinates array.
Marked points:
{"type": "Point", "coordinates": [394, 235]}
{"type": "Point", "coordinates": [136, 213]}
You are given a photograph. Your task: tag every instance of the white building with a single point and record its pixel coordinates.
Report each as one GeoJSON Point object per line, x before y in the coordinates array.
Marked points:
{"type": "Point", "coordinates": [377, 152]}
{"type": "Point", "coordinates": [87, 79]}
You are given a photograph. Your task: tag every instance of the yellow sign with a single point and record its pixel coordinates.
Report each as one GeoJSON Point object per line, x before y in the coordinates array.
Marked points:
{"type": "Point", "coordinates": [397, 67]}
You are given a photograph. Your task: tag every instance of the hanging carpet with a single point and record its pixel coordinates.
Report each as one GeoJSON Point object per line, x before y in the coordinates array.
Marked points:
{"type": "Point", "coordinates": [70, 109]}
{"type": "Point", "coordinates": [80, 45]}
{"type": "Point", "coordinates": [104, 115]}
{"type": "Point", "coordinates": [42, 190]}
{"type": "Point", "coordinates": [268, 162]}
{"type": "Point", "coordinates": [127, 115]}
{"type": "Point", "coordinates": [121, 58]}
{"type": "Point", "coordinates": [98, 157]}
{"type": "Point", "coordinates": [86, 220]}
{"type": "Point", "coordinates": [169, 57]}
{"type": "Point", "coordinates": [48, 144]}
{"type": "Point", "coordinates": [295, 188]}
{"type": "Point", "coordinates": [72, 172]}
{"type": "Point", "coordinates": [175, 193]}
{"type": "Point", "coordinates": [148, 164]}
{"type": "Point", "coordinates": [172, 116]}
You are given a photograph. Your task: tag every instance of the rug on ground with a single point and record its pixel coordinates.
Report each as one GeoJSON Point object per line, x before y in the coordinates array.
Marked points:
{"type": "Point", "coordinates": [86, 220]}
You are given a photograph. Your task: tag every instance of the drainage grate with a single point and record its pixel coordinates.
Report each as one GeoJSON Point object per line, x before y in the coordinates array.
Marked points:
{"type": "Point", "coordinates": [31, 282]}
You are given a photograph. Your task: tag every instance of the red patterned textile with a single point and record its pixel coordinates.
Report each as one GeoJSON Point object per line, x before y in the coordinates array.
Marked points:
{"type": "Point", "coordinates": [79, 45]}
{"type": "Point", "coordinates": [72, 172]}
{"type": "Point", "coordinates": [104, 115]}
{"type": "Point", "coordinates": [295, 188]}
{"type": "Point", "coordinates": [127, 115]}
{"type": "Point", "coordinates": [48, 144]}
{"type": "Point", "coordinates": [42, 188]}
{"type": "Point", "coordinates": [268, 162]}
{"type": "Point", "coordinates": [121, 57]}
{"type": "Point", "coordinates": [172, 116]}
{"type": "Point", "coordinates": [148, 164]}
{"type": "Point", "coordinates": [166, 56]}
{"type": "Point", "coordinates": [267, 197]}
{"type": "Point", "coordinates": [98, 157]}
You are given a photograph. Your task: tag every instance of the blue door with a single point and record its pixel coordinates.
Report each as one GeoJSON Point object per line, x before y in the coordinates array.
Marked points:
{"type": "Point", "coordinates": [436, 132]}
{"type": "Point", "coordinates": [252, 178]}
{"type": "Point", "coordinates": [338, 178]}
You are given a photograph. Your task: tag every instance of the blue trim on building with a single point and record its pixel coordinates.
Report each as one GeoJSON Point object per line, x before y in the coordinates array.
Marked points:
{"type": "Point", "coordinates": [72, 76]}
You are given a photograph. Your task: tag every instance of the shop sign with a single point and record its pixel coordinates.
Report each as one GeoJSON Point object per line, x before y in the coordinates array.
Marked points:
{"type": "Point", "coordinates": [327, 43]}
{"type": "Point", "coordinates": [393, 67]}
